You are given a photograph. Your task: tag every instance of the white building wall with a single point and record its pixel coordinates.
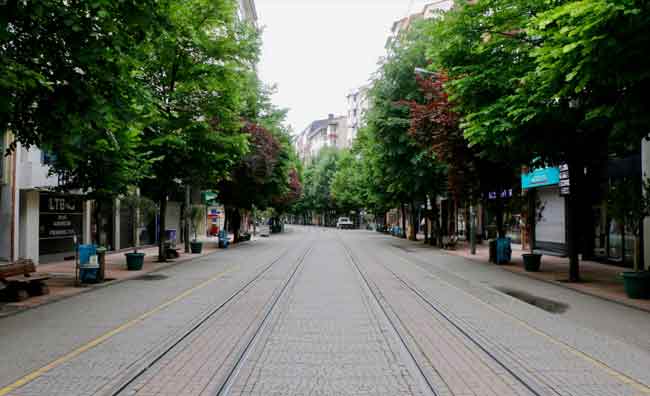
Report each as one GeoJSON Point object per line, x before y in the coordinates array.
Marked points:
{"type": "Point", "coordinates": [28, 225]}
{"type": "Point", "coordinates": [31, 173]}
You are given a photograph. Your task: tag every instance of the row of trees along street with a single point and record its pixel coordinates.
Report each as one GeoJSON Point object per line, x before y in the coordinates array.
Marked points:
{"type": "Point", "coordinates": [159, 95]}
{"type": "Point", "coordinates": [463, 101]}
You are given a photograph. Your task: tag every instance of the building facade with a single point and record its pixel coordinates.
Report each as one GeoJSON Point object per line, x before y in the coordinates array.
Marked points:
{"type": "Point", "coordinates": [247, 11]}
{"type": "Point", "coordinates": [358, 105]}
{"type": "Point", "coordinates": [328, 132]}
{"type": "Point", "coordinates": [36, 219]}
{"type": "Point", "coordinates": [428, 11]}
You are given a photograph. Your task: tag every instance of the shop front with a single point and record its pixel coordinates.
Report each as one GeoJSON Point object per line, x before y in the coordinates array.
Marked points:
{"type": "Point", "coordinates": [60, 223]}
{"type": "Point", "coordinates": [549, 229]}
{"type": "Point", "coordinates": [614, 241]}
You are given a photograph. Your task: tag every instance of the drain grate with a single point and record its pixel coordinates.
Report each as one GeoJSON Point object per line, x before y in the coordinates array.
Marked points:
{"type": "Point", "coordinates": [152, 277]}
{"type": "Point", "coordinates": [547, 305]}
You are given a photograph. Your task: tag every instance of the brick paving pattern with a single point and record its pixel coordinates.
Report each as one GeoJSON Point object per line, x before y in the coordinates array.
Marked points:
{"type": "Point", "coordinates": [328, 339]}
{"type": "Point", "coordinates": [547, 365]}
{"type": "Point", "coordinates": [332, 334]}
{"type": "Point", "coordinates": [100, 367]}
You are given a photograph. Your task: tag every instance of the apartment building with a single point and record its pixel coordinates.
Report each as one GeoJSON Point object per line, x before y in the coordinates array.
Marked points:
{"type": "Point", "coordinates": [329, 132]}
{"type": "Point", "coordinates": [358, 105]}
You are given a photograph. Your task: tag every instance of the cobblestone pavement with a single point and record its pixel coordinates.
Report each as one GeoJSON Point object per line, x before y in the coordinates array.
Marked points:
{"type": "Point", "coordinates": [128, 335]}
{"type": "Point", "coordinates": [552, 356]}
{"type": "Point", "coordinates": [329, 337]}
{"type": "Point", "coordinates": [325, 312]}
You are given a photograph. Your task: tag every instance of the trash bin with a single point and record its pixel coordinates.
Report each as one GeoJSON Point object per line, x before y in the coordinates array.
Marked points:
{"type": "Point", "coordinates": [223, 239]}
{"type": "Point", "coordinates": [101, 260]}
{"type": "Point", "coordinates": [85, 251]}
{"type": "Point", "coordinates": [503, 250]}
{"type": "Point", "coordinates": [88, 264]}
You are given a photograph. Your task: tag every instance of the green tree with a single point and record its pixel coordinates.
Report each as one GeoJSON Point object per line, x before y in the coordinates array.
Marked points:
{"type": "Point", "coordinates": [317, 199]}
{"type": "Point", "coordinates": [408, 171]}
{"type": "Point", "coordinates": [196, 71]}
{"type": "Point", "coordinates": [66, 73]}
{"type": "Point", "coordinates": [348, 184]}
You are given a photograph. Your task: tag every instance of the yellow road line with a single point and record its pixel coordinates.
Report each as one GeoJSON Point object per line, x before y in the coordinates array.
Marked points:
{"type": "Point", "coordinates": [609, 370]}
{"type": "Point", "coordinates": [71, 355]}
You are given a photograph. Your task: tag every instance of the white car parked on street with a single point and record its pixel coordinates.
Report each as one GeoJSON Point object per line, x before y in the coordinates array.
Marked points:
{"type": "Point", "coordinates": [344, 222]}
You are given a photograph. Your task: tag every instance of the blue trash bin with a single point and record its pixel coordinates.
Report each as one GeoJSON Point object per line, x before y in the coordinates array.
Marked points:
{"type": "Point", "coordinates": [88, 273]}
{"type": "Point", "coordinates": [85, 251]}
{"type": "Point", "coordinates": [223, 239]}
{"type": "Point", "coordinates": [504, 251]}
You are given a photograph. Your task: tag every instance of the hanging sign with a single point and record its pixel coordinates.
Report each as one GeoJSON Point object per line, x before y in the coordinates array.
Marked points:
{"type": "Point", "coordinates": [565, 180]}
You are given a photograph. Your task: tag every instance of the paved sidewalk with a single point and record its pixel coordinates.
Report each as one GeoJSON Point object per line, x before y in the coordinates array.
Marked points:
{"type": "Point", "coordinates": [62, 282]}
{"type": "Point", "coordinates": [598, 279]}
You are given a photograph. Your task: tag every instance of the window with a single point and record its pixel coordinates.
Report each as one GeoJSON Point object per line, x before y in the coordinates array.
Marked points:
{"type": "Point", "coordinates": [47, 158]}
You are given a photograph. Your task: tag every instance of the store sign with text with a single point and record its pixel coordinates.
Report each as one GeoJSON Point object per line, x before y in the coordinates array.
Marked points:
{"type": "Point", "coordinates": [60, 216]}
{"type": "Point", "coordinates": [540, 178]}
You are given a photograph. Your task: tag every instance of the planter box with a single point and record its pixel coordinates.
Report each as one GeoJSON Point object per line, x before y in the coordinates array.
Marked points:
{"type": "Point", "coordinates": [196, 247]}
{"type": "Point", "coordinates": [637, 284]}
{"type": "Point", "coordinates": [134, 261]}
{"type": "Point", "coordinates": [532, 261]}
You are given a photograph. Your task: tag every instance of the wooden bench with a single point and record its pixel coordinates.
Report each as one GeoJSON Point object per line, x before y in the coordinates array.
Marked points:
{"type": "Point", "coordinates": [21, 280]}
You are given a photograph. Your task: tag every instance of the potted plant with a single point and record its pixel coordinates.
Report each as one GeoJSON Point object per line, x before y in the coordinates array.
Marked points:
{"type": "Point", "coordinates": [142, 210]}
{"type": "Point", "coordinates": [629, 203]}
{"type": "Point", "coordinates": [195, 214]}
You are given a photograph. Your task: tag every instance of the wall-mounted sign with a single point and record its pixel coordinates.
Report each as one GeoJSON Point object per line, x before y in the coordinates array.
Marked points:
{"type": "Point", "coordinates": [565, 180]}
{"type": "Point", "coordinates": [540, 177]}
{"type": "Point", "coordinates": [504, 194]}
{"type": "Point", "coordinates": [60, 216]}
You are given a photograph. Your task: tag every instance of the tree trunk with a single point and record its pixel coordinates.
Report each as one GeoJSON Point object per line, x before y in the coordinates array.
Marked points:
{"type": "Point", "coordinates": [162, 254]}
{"type": "Point", "coordinates": [96, 215]}
{"type": "Point", "coordinates": [413, 236]}
{"type": "Point", "coordinates": [426, 229]}
{"type": "Point", "coordinates": [501, 232]}
{"type": "Point", "coordinates": [573, 230]}
{"type": "Point", "coordinates": [403, 220]}
{"type": "Point", "coordinates": [433, 240]}
{"type": "Point", "coordinates": [472, 228]}
{"type": "Point", "coordinates": [187, 214]}
{"type": "Point", "coordinates": [135, 221]}
{"type": "Point", "coordinates": [236, 224]}
{"type": "Point", "coordinates": [531, 221]}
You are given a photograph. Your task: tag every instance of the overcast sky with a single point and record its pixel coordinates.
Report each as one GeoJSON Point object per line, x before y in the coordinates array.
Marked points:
{"type": "Point", "coordinates": [318, 50]}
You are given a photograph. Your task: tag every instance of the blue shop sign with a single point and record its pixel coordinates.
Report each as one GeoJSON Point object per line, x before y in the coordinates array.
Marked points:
{"type": "Point", "coordinates": [540, 178]}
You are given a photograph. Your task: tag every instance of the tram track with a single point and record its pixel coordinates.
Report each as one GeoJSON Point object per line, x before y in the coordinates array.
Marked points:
{"type": "Point", "coordinates": [374, 292]}
{"type": "Point", "coordinates": [524, 372]}
{"type": "Point", "coordinates": [244, 354]}
{"type": "Point", "coordinates": [423, 299]}
{"type": "Point", "coordinates": [160, 353]}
